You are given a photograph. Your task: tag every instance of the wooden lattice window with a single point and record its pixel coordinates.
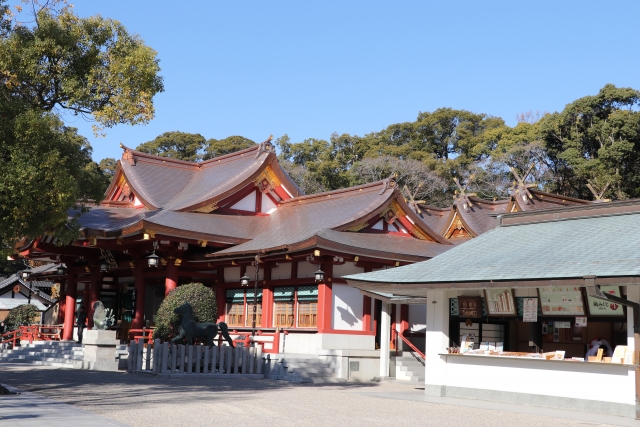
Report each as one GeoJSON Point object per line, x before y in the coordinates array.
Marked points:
{"type": "Point", "coordinates": [308, 306]}
{"type": "Point", "coordinates": [284, 299]}
{"type": "Point", "coordinates": [235, 314]}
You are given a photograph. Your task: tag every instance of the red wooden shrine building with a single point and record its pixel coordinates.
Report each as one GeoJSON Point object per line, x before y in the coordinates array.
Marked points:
{"type": "Point", "coordinates": [207, 222]}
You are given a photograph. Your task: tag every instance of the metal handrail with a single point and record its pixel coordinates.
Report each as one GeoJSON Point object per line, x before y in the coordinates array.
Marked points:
{"type": "Point", "coordinates": [409, 343]}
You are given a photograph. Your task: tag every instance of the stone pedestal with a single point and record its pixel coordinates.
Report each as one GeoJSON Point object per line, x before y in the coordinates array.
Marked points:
{"type": "Point", "coordinates": [100, 350]}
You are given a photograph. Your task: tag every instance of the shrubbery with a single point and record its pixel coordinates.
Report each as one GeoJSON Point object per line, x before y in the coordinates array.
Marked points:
{"type": "Point", "coordinates": [202, 300]}
{"type": "Point", "coordinates": [22, 315]}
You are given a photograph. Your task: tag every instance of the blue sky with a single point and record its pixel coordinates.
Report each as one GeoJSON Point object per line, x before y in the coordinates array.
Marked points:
{"type": "Point", "coordinates": [308, 69]}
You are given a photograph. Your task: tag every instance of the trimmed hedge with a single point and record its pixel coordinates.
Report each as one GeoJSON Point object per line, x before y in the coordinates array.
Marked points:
{"type": "Point", "coordinates": [22, 315]}
{"type": "Point", "coordinates": [202, 300]}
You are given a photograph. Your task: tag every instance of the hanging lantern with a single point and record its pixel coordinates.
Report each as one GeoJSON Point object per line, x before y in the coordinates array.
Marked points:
{"type": "Point", "coordinates": [104, 266]}
{"type": "Point", "coordinates": [153, 260]}
{"type": "Point", "coordinates": [25, 274]}
{"type": "Point", "coordinates": [61, 270]}
{"type": "Point", "coordinates": [244, 280]}
{"type": "Point", "coordinates": [319, 275]}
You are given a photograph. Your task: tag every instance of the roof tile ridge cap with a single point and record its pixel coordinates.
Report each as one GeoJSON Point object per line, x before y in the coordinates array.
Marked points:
{"type": "Point", "coordinates": [228, 156]}
{"type": "Point", "coordinates": [435, 208]}
{"type": "Point", "coordinates": [140, 156]}
{"type": "Point", "coordinates": [558, 196]}
{"type": "Point", "coordinates": [371, 186]}
{"type": "Point", "coordinates": [489, 202]}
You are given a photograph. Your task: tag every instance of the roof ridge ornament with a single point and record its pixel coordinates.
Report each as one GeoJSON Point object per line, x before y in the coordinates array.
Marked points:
{"type": "Point", "coordinates": [520, 185]}
{"type": "Point", "coordinates": [266, 147]}
{"type": "Point", "coordinates": [461, 195]}
{"type": "Point", "coordinates": [128, 155]}
{"type": "Point", "coordinates": [593, 187]}
{"type": "Point", "coordinates": [388, 183]}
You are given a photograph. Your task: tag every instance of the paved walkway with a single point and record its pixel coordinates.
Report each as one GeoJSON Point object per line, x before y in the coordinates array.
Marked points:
{"type": "Point", "coordinates": [33, 410]}
{"type": "Point", "coordinates": [142, 401]}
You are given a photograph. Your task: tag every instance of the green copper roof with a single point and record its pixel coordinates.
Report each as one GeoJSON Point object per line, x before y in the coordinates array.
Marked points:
{"type": "Point", "coordinates": [604, 246]}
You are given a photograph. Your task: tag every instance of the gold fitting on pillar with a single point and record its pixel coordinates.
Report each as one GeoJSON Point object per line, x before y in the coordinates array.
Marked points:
{"type": "Point", "coordinates": [316, 252]}
{"type": "Point", "coordinates": [178, 261]}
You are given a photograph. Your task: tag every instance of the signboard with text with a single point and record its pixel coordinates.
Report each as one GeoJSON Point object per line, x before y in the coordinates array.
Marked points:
{"type": "Point", "coordinates": [598, 307]}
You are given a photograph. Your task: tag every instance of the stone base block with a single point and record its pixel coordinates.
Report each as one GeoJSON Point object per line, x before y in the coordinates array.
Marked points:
{"type": "Point", "coordinates": [100, 350]}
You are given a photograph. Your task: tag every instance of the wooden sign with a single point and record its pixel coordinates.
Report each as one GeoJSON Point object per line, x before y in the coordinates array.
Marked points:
{"type": "Point", "coordinates": [500, 302]}
{"type": "Point", "coordinates": [561, 301]}
{"type": "Point", "coordinates": [470, 307]}
{"type": "Point", "coordinates": [530, 310]}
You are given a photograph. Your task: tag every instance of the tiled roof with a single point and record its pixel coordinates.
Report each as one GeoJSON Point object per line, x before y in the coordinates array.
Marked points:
{"type": "Point", "coordinates": [171, 184]}
{"type": "Point", "coordinates": [9, 282]}
{"type": "Point", "coordinates": [397, 247]}
{"type": "Point", "coordinates": [479, 218]}
{"type": "Point", "coordinates": [602, 245]}
{"type": "Point", "coordinates": [299, 220]}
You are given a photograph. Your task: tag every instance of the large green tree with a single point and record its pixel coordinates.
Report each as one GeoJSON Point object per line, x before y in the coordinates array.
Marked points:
{"type": "Point", "coordinates": [60, 62]}
{"type": "Point", "coordinates": [177, 145]}
{"type": "Point", "coordinates": [228, 145]}
{"type": "Point", "coordinates": [596, 140]}
{"type": "Point", "coordinates": [90, 66]}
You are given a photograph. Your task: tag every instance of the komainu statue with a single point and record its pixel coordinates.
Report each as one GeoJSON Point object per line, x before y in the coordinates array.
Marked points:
{"type": "Point", "coordinates": [102, 317]}
{"type": "Point", "coordinates": [206, 331]}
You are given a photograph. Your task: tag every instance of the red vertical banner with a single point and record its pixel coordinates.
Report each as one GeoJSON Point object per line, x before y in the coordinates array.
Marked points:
{"type": "Point", "coordinates": [221, 300]}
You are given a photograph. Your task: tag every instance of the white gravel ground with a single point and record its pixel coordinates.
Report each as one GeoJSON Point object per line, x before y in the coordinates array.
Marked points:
{"type": "Point", "coordinates": [142, 401]}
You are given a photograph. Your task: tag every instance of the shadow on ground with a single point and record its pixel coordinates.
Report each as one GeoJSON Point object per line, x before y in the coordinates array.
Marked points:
{"type": "Point", "coordinates": [92, 388]}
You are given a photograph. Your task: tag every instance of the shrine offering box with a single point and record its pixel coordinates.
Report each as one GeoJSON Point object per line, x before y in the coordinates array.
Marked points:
{"type": "Point", "coordinates": [470, 307]}
{"type": "Point", "coordinates": [561, 301]}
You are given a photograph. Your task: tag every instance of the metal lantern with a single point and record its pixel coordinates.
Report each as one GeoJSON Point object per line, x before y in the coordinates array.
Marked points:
{"type": "Point", "coordinates": [319, 275]}
{"type": "Point", "coordinates": [25, 275]}
{"type": "Point", "coordinates": [61, 270]}
{"type": "Point", "coordinates": [153, 260]}
{"type": "Point", "coordinates": [244, 280]}
{"type": "Point", "coordinates": [104, 266]}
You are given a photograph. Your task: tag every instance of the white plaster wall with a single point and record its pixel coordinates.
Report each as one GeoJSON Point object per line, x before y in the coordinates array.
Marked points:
{"type": "Point", "coordinates": [305, 343]}
{"type": "Point", "coordinates": [248, 203]}
{"type": "Point", "coordinates": [267, 204]}
{"type": "Point", "coordinates": [301, 343]}
{"type": "Point", "coordinates": [418, 317]}
{"type": "Point", "coordinates": [251, 273]}
{"type": "Point", "coordinates": [17, 297]}
{"type": "Point", "coordinates": [633, 294]}
{"type": "Point", "coordinates": [590, 381]}
{"type": "Point", "coordinates": [282, 271]}
{"type": "Point", "coordinates": [232, 274]}
{"type": "Point", "coordinates": [347, 308]}
{"type": "Point", "coordinates": [437, 338]}
{"type": "Point", "coordinates": [306, 269]}
{"type": "Point", "coordinates": [345, 269]}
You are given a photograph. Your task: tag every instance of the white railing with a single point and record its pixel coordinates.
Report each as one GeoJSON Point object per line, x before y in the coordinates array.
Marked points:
{"type": "Point", "coordinates": [161, 359]}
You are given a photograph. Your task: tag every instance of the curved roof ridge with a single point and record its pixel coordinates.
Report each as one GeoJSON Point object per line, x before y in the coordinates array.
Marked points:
{"type": "Point", "coordinates": [558, 196]}
{"type": "Point", "coordinates": [489, 202]}
{"type": "Point", "coordinates": [240, 153]}
{"type": "Point", "coordinates": [340, 192]}
{"type": "Point", "coordinates": [139, 155]}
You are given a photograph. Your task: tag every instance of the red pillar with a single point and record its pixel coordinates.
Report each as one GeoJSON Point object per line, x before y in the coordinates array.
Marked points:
{"type": "Point", "coordinates": [366, 313]}
{"type": "Point", "coordinates": [94, 293]}
{"type": "Point", "coordinates": [325, 300]}
{"type": "Point", "coordinates": [171, 278]}
{"type": "Point", "coordinates": [221, 300]}
{"type": "Point", "coordinates": [404, 323]}
{"type": "Point", "coordinates": [70, 308]}
{"type": "Point", "coordinates": [138, 316]}
{"type": "Point", "coordinates": [267, 307]}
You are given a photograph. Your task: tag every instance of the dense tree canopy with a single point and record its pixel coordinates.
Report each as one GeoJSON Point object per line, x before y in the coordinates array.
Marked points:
{"type": "Point", "coordinates": [177, 145]}
{"type": "Point", "coordinates": [593, 142]}
{"type": "Point", "coordinates": [60, 62]}
{"type": "Point", "coordinates": [228, 145]}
